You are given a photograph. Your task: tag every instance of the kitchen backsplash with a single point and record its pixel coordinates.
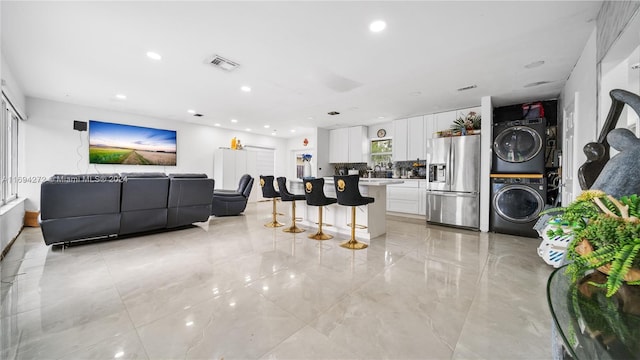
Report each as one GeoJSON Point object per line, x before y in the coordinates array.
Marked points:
{"type": "Point", "coordinates": [343, 168]}
{"type": "Point", "coordinates": [411, 169]}
{"type": "Point", "coordinates": [407, 169]}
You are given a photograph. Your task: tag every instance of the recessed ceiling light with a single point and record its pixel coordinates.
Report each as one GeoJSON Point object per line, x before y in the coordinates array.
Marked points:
{"type": "Point", "coordinates": [293, 130]}
{"type": "Point", "coordinates": [121, 96]}
{"type": "Point", "coordinates": [310, 118]}
{"type": "Point", "coordinates": [245, 88]}
{"type": "Point", "coordinates": [247, 129]}
{"type": "Point", "coordinates": [266, 126]}
{"type": "Point", "coordinates": [153, 55]}
{"type": "Point", "coordinates": [534, 64]}
{"type": "Point", "coordinates": [380, 117]}
{"type": "Point", "coordinates": [234, 121]}
{"type": "Point", "coordinates": [537, 83]}
{"type": "Point", "coordinates": [273, 133]}
{"type": "Point", "coordinates": [191, 111]}
{"type": "Point", "coordinates": [216, 124]}
{"type": "Point", "coordinates": [118, 355]}
{"type": "Point", "coordinates": [377, 26]}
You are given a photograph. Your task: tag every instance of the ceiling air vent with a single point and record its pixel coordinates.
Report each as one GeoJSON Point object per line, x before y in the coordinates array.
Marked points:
{"type": "Point", "coordinates": [223, 63]}
{"type": "Point", "coordinates": [467, 87]}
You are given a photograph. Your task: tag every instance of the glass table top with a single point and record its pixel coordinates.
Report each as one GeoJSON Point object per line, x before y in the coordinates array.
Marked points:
{"type": "Point", "coordinates": [591, 325]}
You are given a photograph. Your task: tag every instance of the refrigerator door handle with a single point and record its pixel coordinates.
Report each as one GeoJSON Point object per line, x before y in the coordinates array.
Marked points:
{"type": "Point", "coordinates": [452, 163]}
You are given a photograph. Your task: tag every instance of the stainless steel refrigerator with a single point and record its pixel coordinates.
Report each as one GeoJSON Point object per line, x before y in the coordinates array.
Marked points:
{"type": "Point", "coordinates": [453, 181]}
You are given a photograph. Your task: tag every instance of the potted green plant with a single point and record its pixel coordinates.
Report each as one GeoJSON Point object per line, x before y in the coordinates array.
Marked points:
{"type": "Point", "coordinates": [467, 124]}
{"type": "Point", "coordinates": [606, 237]}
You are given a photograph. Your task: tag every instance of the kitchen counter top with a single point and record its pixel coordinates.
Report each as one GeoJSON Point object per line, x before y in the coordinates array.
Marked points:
{"type": "Point", "coordinates": [364, 181]}
{"type": "Point", "coordinates": [371, 216]}
{"type": "Point", "coordinates": [371, 181]}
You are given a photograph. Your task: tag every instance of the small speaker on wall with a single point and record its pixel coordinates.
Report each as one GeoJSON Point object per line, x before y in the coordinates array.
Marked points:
{"type": "Point", "coordinates": [79, 125]}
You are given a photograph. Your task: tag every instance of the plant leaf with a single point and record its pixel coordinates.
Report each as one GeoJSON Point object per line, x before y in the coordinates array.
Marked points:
{"type": "Point", "coordinates": [620, 266]}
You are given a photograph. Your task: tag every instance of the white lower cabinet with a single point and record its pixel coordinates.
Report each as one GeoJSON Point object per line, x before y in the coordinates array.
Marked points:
{"type": "Point", "coordinates": [403, 198]}
{"type": "Point", "coordinates": [422, 185]}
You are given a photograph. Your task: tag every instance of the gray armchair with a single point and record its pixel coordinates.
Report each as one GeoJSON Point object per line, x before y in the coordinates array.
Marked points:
{"type": "Point", "coordinates": [232, 202]}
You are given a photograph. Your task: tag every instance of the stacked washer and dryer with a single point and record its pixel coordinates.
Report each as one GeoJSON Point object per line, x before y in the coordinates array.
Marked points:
{"type": "Point", "coordinates": [518, 182]}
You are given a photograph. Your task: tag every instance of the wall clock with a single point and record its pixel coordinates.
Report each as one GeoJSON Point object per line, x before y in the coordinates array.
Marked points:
{"type": "Point", "coordinates": [382, 133]}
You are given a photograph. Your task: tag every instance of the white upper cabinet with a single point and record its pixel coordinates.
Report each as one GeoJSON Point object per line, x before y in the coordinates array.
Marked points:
{"type": "Point", "coordinates": [358, 144]}
{"type": "Point", "coordinates": [408, 138]}
{"type": "Point", "coordinates": [348, 145]}
{"type": "Point", "coordinates": [415, 138]}
{"type": "Point", "coordinates": [429, 130]}
{"type": "Point", "coordinates": [339, 143]}
{"type": "Point", "coordinates": [400, 140]}
{"type": "Point", "coordinates": [443, 121]}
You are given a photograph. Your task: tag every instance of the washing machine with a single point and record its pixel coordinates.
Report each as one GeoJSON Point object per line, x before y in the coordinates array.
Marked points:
{"type": "Point", "coordinates": [516, 203]}
{"type": "Point", "coordinates": [518, 146]}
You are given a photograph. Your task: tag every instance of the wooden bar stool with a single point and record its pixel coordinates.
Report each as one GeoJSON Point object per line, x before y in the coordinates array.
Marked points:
{"type": "Point", "coordinates": [348, 194]}
{"type": "Point", "coordinates": [269, 192]}
{"type": "Point", "coordinates": [314, 194]}
{"type": "Point", "coordinates": [285, 195]}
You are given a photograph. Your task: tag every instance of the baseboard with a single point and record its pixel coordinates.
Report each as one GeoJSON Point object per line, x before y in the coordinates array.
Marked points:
{"type": "Point", "coordinates": [6, 249]}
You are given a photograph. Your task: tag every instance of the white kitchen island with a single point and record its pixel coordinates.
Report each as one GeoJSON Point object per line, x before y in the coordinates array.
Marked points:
{"type": "Point", "coordinates": [336, 217]}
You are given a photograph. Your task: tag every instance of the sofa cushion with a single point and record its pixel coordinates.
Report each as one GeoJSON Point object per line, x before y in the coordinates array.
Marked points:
{"type": "Point", "coordinates": [144, 191]}
{"type": "Point", "coordinates": [79, 227]}
{"type": "Point", "coordinates": [190, 191]}
{"type": "Point", "coordinates": [70, 196]}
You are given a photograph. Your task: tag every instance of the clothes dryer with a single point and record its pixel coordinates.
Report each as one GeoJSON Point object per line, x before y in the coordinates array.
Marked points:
{"type": "Point", "coordinates": [516, 203]}
{"type": "Point", "coordinates": [518, 147]}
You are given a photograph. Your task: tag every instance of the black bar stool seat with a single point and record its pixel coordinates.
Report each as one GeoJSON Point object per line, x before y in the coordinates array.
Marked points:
{"type": "Point", "coordinates": [269, 192]}
{"type": "Point", "coordinates": [285, 195]}
{"type": "Point", "coordinates": [348, 194]}
{"type": "Point", "coordinates": [314, 194]}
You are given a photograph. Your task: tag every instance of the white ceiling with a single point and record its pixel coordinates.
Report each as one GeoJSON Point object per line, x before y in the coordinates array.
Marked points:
{"type": "Point", "coordinates": [302, 59]}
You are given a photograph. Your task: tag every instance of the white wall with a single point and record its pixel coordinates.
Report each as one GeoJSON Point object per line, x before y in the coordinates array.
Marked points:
{"type": "Point", "coordinates": [294, 146]}
{"type": "Point", "coordinates": [12, 214]}
{"type": "Point", "coordinates": [583, 82]}
{"type": "Point", "coordinates": [11, 220]}
{"type": "Point", "coordinates": [51, 146]}
{"type": "Point", "coordinates": [11, 87]}
{"type": "Point", "coordinates": [486, 143]}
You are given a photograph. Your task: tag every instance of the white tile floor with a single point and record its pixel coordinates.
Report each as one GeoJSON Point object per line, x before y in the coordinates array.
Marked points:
{"type": "Point", "coordinates": [234, 289]}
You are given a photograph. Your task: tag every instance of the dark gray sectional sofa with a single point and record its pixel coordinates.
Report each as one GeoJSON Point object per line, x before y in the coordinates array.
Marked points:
{"type": "Point", "coordinates": [81, 207]}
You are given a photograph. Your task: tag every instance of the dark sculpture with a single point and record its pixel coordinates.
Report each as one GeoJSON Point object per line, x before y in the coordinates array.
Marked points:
{"type": "Point", "coordinates": [621, 175]}
{"type": "Point", "coordinates": [598, 152]}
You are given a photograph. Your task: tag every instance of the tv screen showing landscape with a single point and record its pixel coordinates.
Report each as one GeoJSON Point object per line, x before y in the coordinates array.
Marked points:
{"type": "Point", "coordinates": [111, 143]}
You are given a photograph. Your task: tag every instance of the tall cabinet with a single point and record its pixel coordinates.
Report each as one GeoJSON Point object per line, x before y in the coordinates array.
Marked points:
{"type": "Point", "coordinates": [229, 165]}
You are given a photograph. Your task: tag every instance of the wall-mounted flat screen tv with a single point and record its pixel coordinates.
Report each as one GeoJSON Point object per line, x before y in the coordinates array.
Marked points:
{"type": "Point", "coordinates": [111, 143]}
